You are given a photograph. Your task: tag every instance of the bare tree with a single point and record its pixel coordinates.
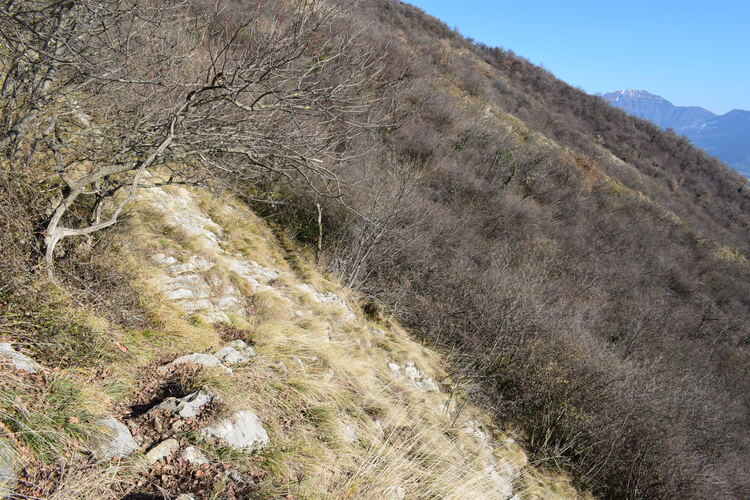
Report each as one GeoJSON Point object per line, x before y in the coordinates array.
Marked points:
{"type": "Point", "coordinates": [130, 94]}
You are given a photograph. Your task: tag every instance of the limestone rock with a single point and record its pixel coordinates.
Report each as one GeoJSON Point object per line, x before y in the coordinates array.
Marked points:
{"type": "Point", "coordinates": [11, 357]}
{"type": "Point", "coordinates": [163, 260]}
{"type": "Point", "coordinates": [184, 496]}
{"type": "Point", "coordinates": [396, 493]}
{"type": "Point", "coordinates": [194, 264]}
{"type": "Point", "coordinates": [194, 456]}
{"type": "Point", "coordinates": [236, 352]}
{"type": "Point", "coordinates": [9, 468]}
{"type": "Point", "coordinates": [188, 406]}
{"type": "Point", "coordinates": [202, 359]}
{"type": "Point", "coordinates": [115, 440]}
{"type": "Point", "coordinates": [162, 450]}
{"type": "Point", "coordinates": [348, 433]}
{"type": "Point", "coordinates": [411, 375]}
{"type": "Point", "coordinates": [243, 430]}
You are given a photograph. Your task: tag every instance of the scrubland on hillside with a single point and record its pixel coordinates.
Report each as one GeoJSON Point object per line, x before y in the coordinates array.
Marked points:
{"type": "Point", "coordinates": [584, 274]}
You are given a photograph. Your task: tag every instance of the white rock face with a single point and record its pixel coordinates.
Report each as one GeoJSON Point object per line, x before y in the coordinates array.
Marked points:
{"type": "Point", "coordinates": [115, 441]}
{"type": "Point", "coordinates": [188, 406]}
{"type": "Point", "coordinates": [253, 273]}
{"type": "Point", "coordinates": [12, 358]}
{"type": "Point", "coordinates": [243, 431]}
{"type": "Point", "coordinates": [194, 456]}
{"type": "Point", "coordinates": [501, 473]}
{"type": "Point", "coordinates": [10, 465]}
{"type": "Point", "coordinates": [411, 375]}
{"type": "Point", "coordinates": [162, 450]}
{"type": "Point", "coordinates": [197, 358]}
{"type": "Point", "coordinates": [236, 352]}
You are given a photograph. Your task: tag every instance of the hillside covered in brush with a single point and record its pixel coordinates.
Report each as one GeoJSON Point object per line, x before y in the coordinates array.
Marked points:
{"type": "Point", "coordinates": [579, 275]}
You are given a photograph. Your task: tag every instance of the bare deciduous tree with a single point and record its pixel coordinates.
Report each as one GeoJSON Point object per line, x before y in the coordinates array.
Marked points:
{"type": "Point", "coordinates": [129, 94]}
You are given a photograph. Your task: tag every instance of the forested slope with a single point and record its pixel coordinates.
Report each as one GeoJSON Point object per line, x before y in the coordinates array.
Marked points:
{"type": "Point", "coordinates": [588, 268]}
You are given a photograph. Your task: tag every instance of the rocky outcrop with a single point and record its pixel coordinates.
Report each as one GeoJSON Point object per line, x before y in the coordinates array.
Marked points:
{"type": "Point", "coordinates": [413, 377]}
{"type": "Point", "coordinates": [235, 353]}
{"type": "Point", "coordinates": [242, 431]}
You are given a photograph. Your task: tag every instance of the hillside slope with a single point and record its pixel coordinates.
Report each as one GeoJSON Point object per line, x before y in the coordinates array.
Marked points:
{"type": "Point", "coordinates": [343, 406]}
{"type": "Point", "coordinates": [583, 274]}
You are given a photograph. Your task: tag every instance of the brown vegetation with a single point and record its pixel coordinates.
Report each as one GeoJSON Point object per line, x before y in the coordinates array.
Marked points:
{"type": "Point", "coordinates": [587, 271]}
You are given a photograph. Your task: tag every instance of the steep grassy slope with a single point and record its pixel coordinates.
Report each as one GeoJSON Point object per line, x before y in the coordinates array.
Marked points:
{"type": "Point", "coordinates": [352, 406]}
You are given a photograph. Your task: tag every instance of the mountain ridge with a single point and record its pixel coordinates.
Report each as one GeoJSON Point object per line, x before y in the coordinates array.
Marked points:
{"type": "Point", "coordinates": [722, 135]}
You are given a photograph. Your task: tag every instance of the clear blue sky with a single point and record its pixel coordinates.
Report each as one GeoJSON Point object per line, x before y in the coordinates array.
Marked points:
{"type": "Point", "coordinates": [689, 52]}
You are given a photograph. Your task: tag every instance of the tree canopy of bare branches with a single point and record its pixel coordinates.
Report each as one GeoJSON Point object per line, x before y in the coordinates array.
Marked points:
{"type": "Point", "coordinates": [124, 94]}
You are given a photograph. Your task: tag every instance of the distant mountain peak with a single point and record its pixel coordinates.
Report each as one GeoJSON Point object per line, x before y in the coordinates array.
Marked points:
{"type": "Point", "coordinates": [635, 95]}
{"type": "Point", "coordinates": [726, 136]}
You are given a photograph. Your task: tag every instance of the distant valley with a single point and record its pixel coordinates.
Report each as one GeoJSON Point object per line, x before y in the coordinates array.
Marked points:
{"type": "Point", "coordinates": [726, 136]}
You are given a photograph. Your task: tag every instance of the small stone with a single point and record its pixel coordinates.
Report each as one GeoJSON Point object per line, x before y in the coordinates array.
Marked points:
{"type": "Point", "coordinates": [348, 433]}
{"type": "Point", "coordinates": [11, 357]}
{"type": "Point", "coordinates": [396, 493]}
{"type": "Point", "coordinates": [243, 430]}
{"type": "Point", "coordinates": [201, 359]}
{"type": "Point", "coordinates": [162, 450]}
{"type": "Point", "coordinates": [185, 496]}
{"type": "Point", "coordinates": [115, 440]}
{"type": "Point", "coordinates": [188, 406]}
{"type": "Point", "coordinates": [194, 456]}
{"type": "Point", "coordinates": [235, 352]}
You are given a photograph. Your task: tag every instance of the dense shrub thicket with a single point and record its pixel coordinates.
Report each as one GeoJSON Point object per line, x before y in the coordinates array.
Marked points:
{"type": "Point", "coordinates": [587, 269]}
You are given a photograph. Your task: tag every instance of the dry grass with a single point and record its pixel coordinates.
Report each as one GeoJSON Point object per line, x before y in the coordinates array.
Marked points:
{"type": "Point", "coordinates": [341, 425]}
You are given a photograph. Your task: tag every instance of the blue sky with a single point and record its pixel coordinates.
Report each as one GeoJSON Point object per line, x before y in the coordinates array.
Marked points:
{"type": "Point", "coordinates": [689, 52]}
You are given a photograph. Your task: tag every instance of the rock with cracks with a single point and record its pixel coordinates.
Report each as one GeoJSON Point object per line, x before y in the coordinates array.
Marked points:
{"type": "Point", "coordinates": [188, 406]}
{"type": "Point", "coordinates": [236, 352]}
{"type": "Point", "coordinates": [242, 431]}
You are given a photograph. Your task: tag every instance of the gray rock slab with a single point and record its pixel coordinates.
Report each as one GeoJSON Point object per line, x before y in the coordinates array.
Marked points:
{"type": "Point", "coordinates": [114, 441]}
{"type": "Point", "coordinates": [201, 359]}
{"type": "Point", "coordinates": [243, 431]}
{"type": "Point", "coordinates": [11, 357]}
{"type": "Point", "coordinates": [10, 466]}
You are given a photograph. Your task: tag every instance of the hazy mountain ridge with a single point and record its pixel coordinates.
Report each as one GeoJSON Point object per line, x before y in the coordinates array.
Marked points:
{"type": "Point", "coordinates": [724, 136]}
